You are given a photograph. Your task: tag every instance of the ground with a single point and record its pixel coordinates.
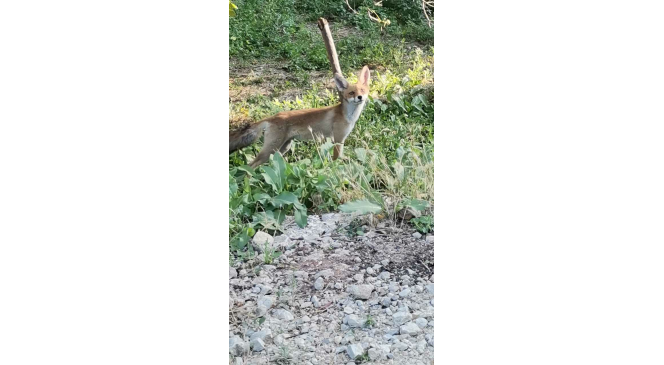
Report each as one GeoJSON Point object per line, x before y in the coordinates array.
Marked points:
{"type": "Point", "coordinates": [330, 296]}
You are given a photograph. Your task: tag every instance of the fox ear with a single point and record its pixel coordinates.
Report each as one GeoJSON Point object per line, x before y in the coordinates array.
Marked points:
{"type": "Point", "coordinates": [341, 82]}
{"type": "Point", "coordinates": [364, 75]}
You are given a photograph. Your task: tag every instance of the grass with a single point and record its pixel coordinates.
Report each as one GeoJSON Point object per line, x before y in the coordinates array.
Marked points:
{"type": "Point", "coordinates": [388, 158]}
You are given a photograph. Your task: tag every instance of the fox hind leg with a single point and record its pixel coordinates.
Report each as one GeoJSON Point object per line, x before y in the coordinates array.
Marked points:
{"type": "Point", "coordinates": [271, 145]}
{"type": "Point", "coordinates": [286, 146]}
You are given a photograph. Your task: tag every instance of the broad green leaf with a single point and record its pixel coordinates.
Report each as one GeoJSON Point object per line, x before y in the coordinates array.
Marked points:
{"type": "Point", "coordinates": [247, 169]}
{"type": "Point", "coordinates": [360, 206]}
{"type": "Point", "coordinates": [416, 204]}
{"type": "Point", "coordinates": [285, 198]}
{"type": "Point", "coordinates": [399, 171]}
{"type": "Point", "coordinates": [279, 165]}
{"type": "Point", "coordinates": [301, 217]}
{"type": "Point", "coordinates": [361, 154]}
{"type": "Point", "coordinates": [271, 178]}
{"type": "Point", "coordinates": [400, 103]}
{"type": "Point", "coordinates": [261, 197]}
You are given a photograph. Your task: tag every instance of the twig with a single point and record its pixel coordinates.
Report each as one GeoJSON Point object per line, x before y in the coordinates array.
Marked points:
{"type": "Point", "coordinates": [424, 10]}
{"type": "Point", "coordinates": [349, 7]}
{"type": "Point", "coordinates": [331, 49]}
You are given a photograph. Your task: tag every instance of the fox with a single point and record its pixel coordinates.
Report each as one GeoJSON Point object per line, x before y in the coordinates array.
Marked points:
{"type": "Point", "coordinates": [334, 122]}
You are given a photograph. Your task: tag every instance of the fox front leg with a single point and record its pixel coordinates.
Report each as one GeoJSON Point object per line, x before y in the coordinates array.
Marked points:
{"type": "Point", "coordinates": [338, 149]}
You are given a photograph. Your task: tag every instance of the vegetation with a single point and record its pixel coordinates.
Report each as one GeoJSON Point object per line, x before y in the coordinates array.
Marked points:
{"type": "Point", "coordinates": [388, 158]}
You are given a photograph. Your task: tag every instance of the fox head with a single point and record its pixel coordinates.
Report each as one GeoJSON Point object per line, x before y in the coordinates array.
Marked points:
{"type": "Point", "coordinates": [356, 93]}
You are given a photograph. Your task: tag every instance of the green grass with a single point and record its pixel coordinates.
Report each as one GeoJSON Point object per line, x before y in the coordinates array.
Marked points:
{"type": "Point", "coordinates": [388, 163]}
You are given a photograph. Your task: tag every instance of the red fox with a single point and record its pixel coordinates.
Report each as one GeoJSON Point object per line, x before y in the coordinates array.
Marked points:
{"type": "Point", "coordinates": [335, 122]}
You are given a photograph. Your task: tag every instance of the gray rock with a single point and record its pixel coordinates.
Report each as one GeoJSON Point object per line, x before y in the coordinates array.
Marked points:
{"type": "Point", "coordinates": [266, 301]}
{"type": "Point", "coordinates": [260, 310]}
{"type": "Point", "coordinates": [354, 320]}
{"type": "Point", "coordinates": [265, 335]}
{"type": "Point", "coordinates": [257, 344]}
{"type": "Point", "coordinates": [232, 273]}
{"type": "Point", "coordinates": [319, 284]}
{"type": "Point", "coordinates": [401, 346]}
{"type": "Point", "coordinates": [362, 291]}
{"type": "Point", "coordinates": [417, 235]}
{"type": "Point", "coordinates": [261, 239]}
{"type": "Point", "coordinates": [385, 275]}
{"type": "Point", "coordinates": [421, 346]}
{"type": "Point", "coordinates": [281, 241]}
{"type": "Point", "coordinates": [430, 239]}
{"type": "Point", "coordinates": [421, 322]}
{"type": "Point", "coordinates": [237, 346]}
{"type": "Point", "coordinates": [375, 354]}
{"type": "Point", "coordinates": [429, 288]}
{"type": "Point", "coordinates": [283, 314]}
{"type": "Point", "coordinates": [400, 318]}
{"type": "Point", "coordinates": [410, 328]}
{"type": "Point", "coordinates": [405, 293]}
{"type": "Point", "coordinates": [324, 273]}
{"type": "Point", "coordinates": [354, 350]}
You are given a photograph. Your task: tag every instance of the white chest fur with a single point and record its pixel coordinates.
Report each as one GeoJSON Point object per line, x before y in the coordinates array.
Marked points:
{"type": "Point", "coordinates": [352, 111]}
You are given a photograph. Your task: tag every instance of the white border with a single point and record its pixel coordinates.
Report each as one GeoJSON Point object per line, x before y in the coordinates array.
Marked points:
{"type": "Point", "coordinates": [549, 182]}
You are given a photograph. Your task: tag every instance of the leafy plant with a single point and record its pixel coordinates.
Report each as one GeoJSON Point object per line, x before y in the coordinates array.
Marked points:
{"type": "Point", "coordinates": [388, 158]}
{"type": "Point", "coordinates": [423, 224]}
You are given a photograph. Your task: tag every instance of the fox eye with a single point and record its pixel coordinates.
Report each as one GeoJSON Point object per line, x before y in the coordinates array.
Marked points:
{"type": "Point", "coordinates": [351, 93]}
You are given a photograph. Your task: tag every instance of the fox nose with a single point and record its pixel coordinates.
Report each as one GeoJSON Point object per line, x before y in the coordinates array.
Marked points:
{"type": "Point", "coordinates": [359, 97]}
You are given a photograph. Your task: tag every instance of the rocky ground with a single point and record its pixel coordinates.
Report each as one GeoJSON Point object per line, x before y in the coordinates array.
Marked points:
{"type": "Point", "coordinates": [334, 297]}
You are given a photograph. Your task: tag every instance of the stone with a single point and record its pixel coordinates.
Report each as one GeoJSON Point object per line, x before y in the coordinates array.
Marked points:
{"type": "Point", "coordinates": [281, 241]}
{"type": "Point", "coordinates": [362, 291]}
{"type": "Point", "coordinates": [266, 301]}
{"type": "Point", "coordinates": [257, 344]}
{"type": "Point", "coordinates": [232, 273]}
{"type": "Point", "coordinates": [421, 322]}
{"type": "Point", "coordinates": [400, 318]}
{"type": "Point", "coordinates": [430, 238]}
{"type": "Point", "coordinates": [354, 350]}
{"type": "Point", "coordinates": [354, 320]}
{"type": "Point", "coordinates": [417, 235]}
{"type": "Point", "coordinates": [237, 346]}
{"type": "Point", "coordinates": [429, 288]}
{"type": "Point", "coordinates": [324, 273]}
{"type": "Point", "coordinates": [319, 284]}
{"type": "Point", "coordinates": [261, 239]}
{"type": "Point", "coordinates": [375, 354]}
{"type": "Point", "coordinates": [410, 328]}
{"type": "Point", "coordinates": [279, 340]}
{"type": "Point", "coordinates": [421, 346]}
{"type": "Point", "coordinates": [405, 293]}
{"type": "Point", "coordinates": [264, 335]}
{"type": "Point", "coordinates": [283, 314]}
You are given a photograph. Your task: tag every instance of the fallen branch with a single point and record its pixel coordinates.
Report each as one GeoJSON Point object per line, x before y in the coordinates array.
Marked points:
{"type": "Point", "coordinates": [426, 4]}
{"type": "Point", "coordinates": [329, 46]}
{"type": "Point", "coordinates": [350, 8]}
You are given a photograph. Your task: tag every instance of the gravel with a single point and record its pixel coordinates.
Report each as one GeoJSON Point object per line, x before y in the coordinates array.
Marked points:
{"type": "Point", "coordinates": [331, 299]}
